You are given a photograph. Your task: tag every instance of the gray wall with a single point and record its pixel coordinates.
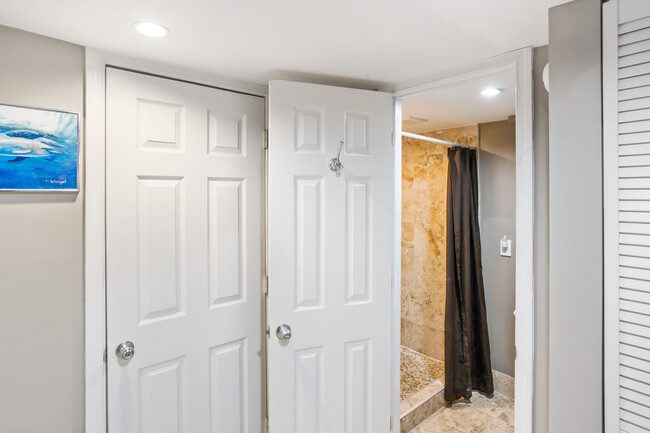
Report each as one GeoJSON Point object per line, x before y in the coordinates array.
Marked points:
{"type": "Point", "coordinates": [41, 258]}
{"type": "Point", "coordinates": [540, 140]}
{"type": "Point", "coordinates": [575, 219]}
{"type": "Point", "coordinates": [497, 142]}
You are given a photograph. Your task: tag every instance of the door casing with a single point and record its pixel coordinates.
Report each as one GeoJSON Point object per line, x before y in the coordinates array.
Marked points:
{"type": "Point", "coordinates": [94, 222]}
{"type": "Point", "coordinates": [522, 62]}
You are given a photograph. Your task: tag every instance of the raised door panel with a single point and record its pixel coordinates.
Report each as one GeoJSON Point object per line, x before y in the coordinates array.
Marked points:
{"type": "Point", "coordinates": [228, 394]}
{"type": "Point", "coordinates": [161, 400]}
{"type": "Point", "coordinates": [308, 249]}
{"type": "Point", "coordinates": [227, 240]}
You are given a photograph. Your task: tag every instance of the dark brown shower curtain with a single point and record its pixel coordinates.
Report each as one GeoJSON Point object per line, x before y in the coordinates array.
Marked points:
{"type": "Point", "coordinates": [467, 345]}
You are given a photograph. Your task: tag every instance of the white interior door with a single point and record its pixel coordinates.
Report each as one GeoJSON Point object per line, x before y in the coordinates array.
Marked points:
{"type": "Point", "coordinates": [184, 214]}
{"type": "Point", "coordinates": [329, 259]}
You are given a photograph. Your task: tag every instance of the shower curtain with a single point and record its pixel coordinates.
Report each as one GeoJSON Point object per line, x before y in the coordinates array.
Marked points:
{"type": "Point", "coordinates": [467, 345]}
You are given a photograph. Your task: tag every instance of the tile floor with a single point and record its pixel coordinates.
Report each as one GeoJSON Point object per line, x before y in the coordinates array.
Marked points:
{"type": "Point", "coordinates": [417, 371]}
{"type": "Point", "coordinates": [481, 415]}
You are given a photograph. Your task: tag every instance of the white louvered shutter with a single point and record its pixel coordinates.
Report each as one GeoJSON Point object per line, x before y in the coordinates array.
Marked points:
{"type": "Point", "coordinates": [626, 86]}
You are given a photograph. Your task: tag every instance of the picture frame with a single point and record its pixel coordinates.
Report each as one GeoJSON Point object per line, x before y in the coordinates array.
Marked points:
{"type": "Point", "coordinates": [39, 149]}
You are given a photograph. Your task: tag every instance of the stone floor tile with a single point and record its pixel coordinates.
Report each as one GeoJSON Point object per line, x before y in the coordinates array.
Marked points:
{"type": "Point", "coordinates": [466, 419]}
{"type": "Point", "coordinates": [499, 426]}
{"type": "Point", "coordinates": [480, 415]}
{"type": "Point", "coordinates": [434, 427]}
{"type": "Point", "coordinates": [508, 415]}
{"type": "Point", "coordinates": [492, 406]}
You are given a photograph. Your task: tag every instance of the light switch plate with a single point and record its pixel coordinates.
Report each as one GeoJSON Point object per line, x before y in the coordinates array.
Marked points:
{"type": "Point", "coordinates": [505, 247]}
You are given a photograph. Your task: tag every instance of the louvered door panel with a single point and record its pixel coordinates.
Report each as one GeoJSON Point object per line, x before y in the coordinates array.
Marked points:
{"type": "Point", "coordinates": [627, 157]}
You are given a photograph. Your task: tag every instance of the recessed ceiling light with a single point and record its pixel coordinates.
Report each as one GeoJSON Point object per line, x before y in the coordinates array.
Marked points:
{"type": "Point", "coordinates": [151, 29]}
{"type": "Point", "coordinates": [490, 91]}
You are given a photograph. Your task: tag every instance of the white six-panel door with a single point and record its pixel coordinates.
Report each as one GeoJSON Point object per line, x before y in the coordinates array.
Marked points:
{"type": "Point", "coordinates": [184, 239]}
{"type": "Point", "coordinates": [329, 259]}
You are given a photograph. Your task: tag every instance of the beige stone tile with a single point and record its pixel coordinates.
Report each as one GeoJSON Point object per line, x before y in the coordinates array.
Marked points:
{"type": "Point", "coordinates": [465, 418]}
{"type": "Point", "coordinates": [407, 234]}
{"type": "Point", "coordinates": [417, 372]}
{"type": "Point", "coordinates": [424, 216]}
{"type": "Point", "coordinates": [420, 413]}
{"type": "Point", "coordinates": [492, 406]}
{"type": "Point", "coordinates": [434, 427]}
{"type": "Point", "coordinates": [499, 426]}
{"type": "Point", "coordinates": [405, 405]}
{"type": "Point", "coordinates": [504, 384]}
{"type": "Point", "coordinates": [508, 415]}
{"type": "Point", "coordinates": [427, 392]}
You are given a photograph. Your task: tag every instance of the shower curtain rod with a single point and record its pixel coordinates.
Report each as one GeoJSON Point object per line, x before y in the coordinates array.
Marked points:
{"type": "Point", "coordinates": [434, 140]}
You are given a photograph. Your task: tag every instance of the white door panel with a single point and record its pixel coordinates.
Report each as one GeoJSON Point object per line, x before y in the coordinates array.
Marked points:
{"type": "Point", "coordinates": [329, 259]}
{"type": "Point", "coordinates": [184, 243]}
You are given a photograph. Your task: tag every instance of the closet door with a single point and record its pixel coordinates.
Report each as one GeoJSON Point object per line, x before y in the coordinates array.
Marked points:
{"type": "Point", "coordinates": [184, 250]}
{"type": "Point", "coordinates": [626, 92]}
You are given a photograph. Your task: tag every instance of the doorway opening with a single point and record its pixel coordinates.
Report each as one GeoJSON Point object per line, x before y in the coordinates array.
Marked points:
{"type": "Point", "coordinates": [434, 121]}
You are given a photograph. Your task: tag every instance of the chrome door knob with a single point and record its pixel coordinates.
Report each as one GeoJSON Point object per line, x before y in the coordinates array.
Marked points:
{"type": "Point", "coordinates": [283, 332]}
{"type": "Point", "coordinates": [125, 350]}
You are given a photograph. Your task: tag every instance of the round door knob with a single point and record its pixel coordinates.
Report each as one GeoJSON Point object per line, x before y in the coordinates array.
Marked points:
{"type": "Point", "coordinates": [283, 332]}
{"type": "Point", "coordinates": [125, 350]}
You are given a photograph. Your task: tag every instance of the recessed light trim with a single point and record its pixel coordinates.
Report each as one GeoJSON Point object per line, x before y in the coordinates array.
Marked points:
{"type": "Point", "coordinates": [490, 91]}
{"type": "Point", "coordinates": [150, 29]}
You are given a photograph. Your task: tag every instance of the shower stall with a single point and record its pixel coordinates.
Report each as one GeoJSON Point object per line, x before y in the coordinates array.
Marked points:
{"type": "Point", "coordinates": [423, 255]}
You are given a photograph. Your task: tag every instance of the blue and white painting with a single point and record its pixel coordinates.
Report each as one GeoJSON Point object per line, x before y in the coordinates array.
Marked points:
{"type": "Point", "coordinates": [38, 149]}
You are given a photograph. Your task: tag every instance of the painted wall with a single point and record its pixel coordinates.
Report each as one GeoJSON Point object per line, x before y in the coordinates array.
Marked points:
{"type": "Point", "coordinates": [497, 181]}
{"type": "Point", "coordinates": [575, 219]}
{"type": "Point", "coordinates": [424, 236]}
{"type": "Point", "coordinates": [41, 257]}
{"type": "Point", "coordinates": [540, 140]}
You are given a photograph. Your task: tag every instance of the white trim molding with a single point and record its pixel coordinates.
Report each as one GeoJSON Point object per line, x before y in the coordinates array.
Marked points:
{"type": "Point", "coordinates": [95, 246]}
{"type": "Point", "coordinates": [522, 62]}
{"type": "Point", "coordinates": [396, 308]}
{"type": "Point", "coordinates": [610, 218]}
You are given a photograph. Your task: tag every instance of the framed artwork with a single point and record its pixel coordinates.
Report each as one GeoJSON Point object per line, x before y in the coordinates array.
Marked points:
{"type": "Point", "coordinates": [39, 149]}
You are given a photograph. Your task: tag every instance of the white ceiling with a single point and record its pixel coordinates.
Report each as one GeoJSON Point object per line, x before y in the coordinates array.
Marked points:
{"type": "Point", "coordinates": [461, 104]}
{"type": "Point", "coordinates": [367, 42]}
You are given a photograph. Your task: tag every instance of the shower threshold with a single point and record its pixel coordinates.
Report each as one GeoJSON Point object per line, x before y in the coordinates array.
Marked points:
{"type": "Point", "coordinates": [421, 387]}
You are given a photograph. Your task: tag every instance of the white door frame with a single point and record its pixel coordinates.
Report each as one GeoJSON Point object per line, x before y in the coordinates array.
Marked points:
{"type": "Point", "coordinates": [522, 61]}
{"type": "Point", "coordinates": [611, 320]}
{"type": "Point", "coordinates": [94, 218]}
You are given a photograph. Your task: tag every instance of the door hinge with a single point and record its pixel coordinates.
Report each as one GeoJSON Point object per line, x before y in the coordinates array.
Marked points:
{"type": "Point", "coordinates": [266, 284]}
{"type": "Point", "coordinates": [266, 139]}
{"type": "Point", "coordinates": [267, 424]}
{"type": "Point", "coordinates": [391, 424]}
{"type": "Point", "coordinates": [105, 355]}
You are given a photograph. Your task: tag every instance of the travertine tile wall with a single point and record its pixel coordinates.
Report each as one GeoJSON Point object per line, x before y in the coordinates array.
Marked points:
{"type": "Point", "coordinates": [424, 233]}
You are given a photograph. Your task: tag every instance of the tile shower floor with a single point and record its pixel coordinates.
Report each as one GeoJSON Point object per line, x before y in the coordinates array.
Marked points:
{"type": "Point", "coordinates": [417, 371]}
{"type": "Point", "coordinates": [481, 415]}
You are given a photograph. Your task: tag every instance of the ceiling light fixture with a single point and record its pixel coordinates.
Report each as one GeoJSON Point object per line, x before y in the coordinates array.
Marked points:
{"type": "Point", "coordinates": [490, 91]}
{"type": "Point", "coordinates": [151, 29]}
